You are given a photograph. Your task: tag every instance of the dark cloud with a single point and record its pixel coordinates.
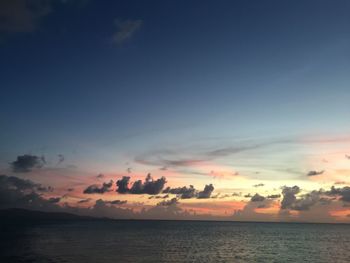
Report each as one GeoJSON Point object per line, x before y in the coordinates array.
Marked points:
{"type": "Point", "coordinates": [125, 30]}
{"type": "Point", "coordinates": [137, 187]}
{"type": "Point", "coordinates": [289, 196]}
{"type": "Point", "coordinates": [190, 192]}
{"type": "Point", "coordinates": [149, 186]}
{"type": "Point", "coordinates": [159, 196]}
{"type": "Point", "coordinates": [70, 189]}
{"type": "Point", "coordinates": [173, 201]}
{"type": "Point", "coordinates": [258, 185]}
{"type": "Point", "coordinates": [325, 201]}
{"type": "Point", "coordinates": [117, 202]}
{"type": "Point", "coordinates": [334, 191]}
{"type": "Point", "coordinates": [19, 193]}
{"type": "Point", "coordinates": [347, 156]}
{"type": "Point", "coordinates": [184, 192]}
{"type": "Point", "coordinates": [274, 196]}
{"type": "Point", "coordinates": [340, 182]}
{"type": "Point", "coordinates": [206, 193]}
{"type": "Point", "coordinates": [248, 195]}
{"type": "Point", "coordinates": [123, 185]}
{"type": "Point", "coordinates": [114, 202]}
{"type": "Point", "coordinates": [257, 198]}
{"type": "Point", "coordinates": [314, 173]}
{"type": "Point", "coordinates": [224, 196]}
{"type": "Point", "coordinates": [84, 200]}
{"type": "Point", "coordinates": [13, 182]}
{"type": "Point", "coordinates": [95, 189]}
{"type": "Point", "coordinates": [216, 196]}
{"type": "Point", "coordinates": [220, 196]}
{"type": "Point", "coordinates": [306, 201]}
{"type": "Point", "coordinates": [54, 200]}
{"type": "Point", "coordinates": [316, 197]}
{"type": "Point", "coordinates": [100, 176]}
{"type": "Point", "coordinates": [25, 163]}
{"type": "Point", "coordinates": [343, 193]}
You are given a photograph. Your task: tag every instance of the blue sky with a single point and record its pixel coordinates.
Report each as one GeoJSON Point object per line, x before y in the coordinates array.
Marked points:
{"type": "Point", "coordinates": [106, 82]}
{"type": "Point", "coordinates": [270, 64]}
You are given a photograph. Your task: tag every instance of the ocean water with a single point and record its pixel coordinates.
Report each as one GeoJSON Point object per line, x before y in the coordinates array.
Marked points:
{"type": "Point", "coordinates": [174, 241]}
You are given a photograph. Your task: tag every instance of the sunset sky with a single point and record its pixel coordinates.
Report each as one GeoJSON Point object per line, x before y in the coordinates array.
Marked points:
{"type": "Point", "coordinates": [238, 110]}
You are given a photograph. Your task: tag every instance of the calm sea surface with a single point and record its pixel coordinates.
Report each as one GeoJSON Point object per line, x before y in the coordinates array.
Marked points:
{"type": "Point", "coordinates": [171, 241]}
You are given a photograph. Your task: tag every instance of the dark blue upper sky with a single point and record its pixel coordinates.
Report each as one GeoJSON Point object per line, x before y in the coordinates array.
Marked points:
{"type": "Point", "coordinates": [245, 99]}
{"type": "Point", "coordinates": [100, 71]}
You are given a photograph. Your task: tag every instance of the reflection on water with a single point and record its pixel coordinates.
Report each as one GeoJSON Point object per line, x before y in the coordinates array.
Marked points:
{"type": "Point", "coordinates": [171, 241]}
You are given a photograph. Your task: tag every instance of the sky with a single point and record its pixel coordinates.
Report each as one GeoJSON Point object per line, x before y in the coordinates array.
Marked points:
{"type": "Point", "coordinates": [215, 110]}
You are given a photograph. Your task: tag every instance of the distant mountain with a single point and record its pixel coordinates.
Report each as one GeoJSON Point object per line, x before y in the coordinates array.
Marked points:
{"type": "Point", "coordinates": [23, 216]}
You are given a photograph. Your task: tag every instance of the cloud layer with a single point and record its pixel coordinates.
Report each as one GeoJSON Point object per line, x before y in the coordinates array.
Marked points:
{"type": "Point", "coordinates": [20, 193]}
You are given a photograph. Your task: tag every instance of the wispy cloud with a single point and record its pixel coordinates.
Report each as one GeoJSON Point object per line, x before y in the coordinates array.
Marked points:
{"type": "Point", "coordinates": [125, 30]}
{"type": "Point", "coordinates": [314, 173]}
{"type": "Point", "coordinates": [196, 156]}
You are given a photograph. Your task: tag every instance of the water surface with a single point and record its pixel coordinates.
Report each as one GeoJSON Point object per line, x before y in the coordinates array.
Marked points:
{"type": "Point", "coordinates": [174, 241]}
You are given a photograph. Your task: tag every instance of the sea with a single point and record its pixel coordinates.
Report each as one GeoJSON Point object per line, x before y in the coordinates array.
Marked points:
{"type": "Point", "coordinates": [174, 241]}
